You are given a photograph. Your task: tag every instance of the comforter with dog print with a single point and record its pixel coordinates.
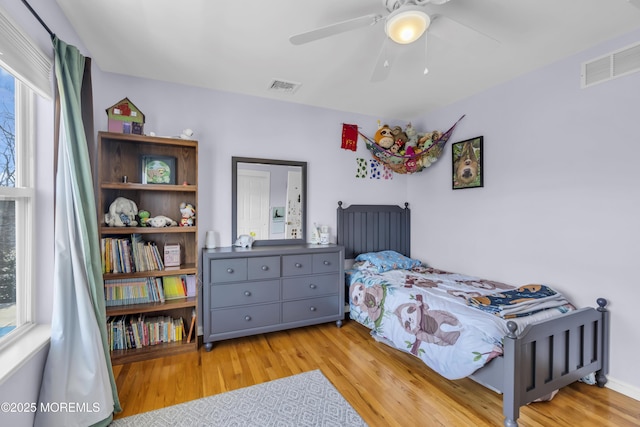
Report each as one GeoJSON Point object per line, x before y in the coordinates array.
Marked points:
{"type": "Point", "coordinates": [428, 313]}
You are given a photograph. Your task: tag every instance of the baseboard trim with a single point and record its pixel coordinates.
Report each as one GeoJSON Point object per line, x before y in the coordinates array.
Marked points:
{"type": "Point", "coordinates": [623, 388]}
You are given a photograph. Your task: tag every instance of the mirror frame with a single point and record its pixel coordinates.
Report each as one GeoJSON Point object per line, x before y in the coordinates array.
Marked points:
{"type": "Point", "coordinates": [234, 199]}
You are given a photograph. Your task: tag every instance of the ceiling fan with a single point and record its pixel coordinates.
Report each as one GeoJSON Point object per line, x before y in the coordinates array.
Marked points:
{"type": "Point", "coordinates": [405, 23]}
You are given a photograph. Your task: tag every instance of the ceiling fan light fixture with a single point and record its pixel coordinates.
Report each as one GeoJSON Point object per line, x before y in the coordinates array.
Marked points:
{"type": "Point", "coordinates": [406, 25]}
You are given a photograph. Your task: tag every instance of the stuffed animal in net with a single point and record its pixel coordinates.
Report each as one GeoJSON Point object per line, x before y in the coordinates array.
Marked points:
{"type": "Point", "coordinates": [428, 148]}
{"type": "Point", "coordinates": [122, 213]}
{"type": "Point", "coordinates": [384, 137]}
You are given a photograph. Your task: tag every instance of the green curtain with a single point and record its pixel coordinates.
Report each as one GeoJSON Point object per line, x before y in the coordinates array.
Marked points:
{"type": "Point", "coordinates": [78, 368]}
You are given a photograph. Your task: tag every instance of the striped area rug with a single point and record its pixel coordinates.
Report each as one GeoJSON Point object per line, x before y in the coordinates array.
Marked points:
{"type": "Point", "coordinates": [307, 399]}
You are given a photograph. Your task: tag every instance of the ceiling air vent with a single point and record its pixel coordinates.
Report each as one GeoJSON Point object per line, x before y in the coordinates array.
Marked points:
{"type": "Point", "coordinates": [283, 86]}
{"type": "Point", "coordinates": [616, 64]}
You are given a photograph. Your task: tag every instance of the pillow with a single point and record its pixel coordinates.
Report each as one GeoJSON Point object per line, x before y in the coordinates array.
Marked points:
{"type": "Point", "coordinates": [389, 260]}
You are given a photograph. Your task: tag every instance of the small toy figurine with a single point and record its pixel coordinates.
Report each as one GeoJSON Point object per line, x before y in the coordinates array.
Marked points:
{"type": "Point", "coordinates": [244, 241]}
{"type": "Point", "coordinates": [188, 213]}
{"type": "Point", "coordinates": [144, 216]}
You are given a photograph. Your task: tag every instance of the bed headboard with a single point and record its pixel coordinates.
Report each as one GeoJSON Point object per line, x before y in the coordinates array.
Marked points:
{"type": "Point", "coordinates": [372, 228]}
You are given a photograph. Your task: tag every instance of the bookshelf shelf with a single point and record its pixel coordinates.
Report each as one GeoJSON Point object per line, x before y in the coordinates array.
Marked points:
{"type": "Point", "coordinates": [152, 307]}
{"type": "Point", "coordinates": [184, 269]}
{"type": "Point", "coordinates": [119, 357]}
{"type": "Point", "coordinates": [105, 230]}
{"type": "Point", "coordinates": [119, 156]}
{"type": "Point", "coordinates": [148, 187]}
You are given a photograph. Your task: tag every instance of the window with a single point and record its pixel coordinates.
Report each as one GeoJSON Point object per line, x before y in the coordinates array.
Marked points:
{"type": "Point", "coordinates": [16, 204]}
{"type": "Point", "coordinates": [24, 75]}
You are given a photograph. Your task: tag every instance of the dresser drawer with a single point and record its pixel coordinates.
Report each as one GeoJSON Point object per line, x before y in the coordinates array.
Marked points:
{"type": "Point", "coordinates": [244, 293]}
{"type": "Point", "coordinates": [293, 311]}
{"type": "Point", "coordinates": [266, 267]}
{"type": "Point", "coordinates": [239, 318]}
{"type": "Point", "coordinates": [310, 286]}
{"type": "Point", "coordinates": [326, 262]}
{"type": "Point", "coordinates": [228, 270]}
{"type": "Point", "coordinates": [295, 265]}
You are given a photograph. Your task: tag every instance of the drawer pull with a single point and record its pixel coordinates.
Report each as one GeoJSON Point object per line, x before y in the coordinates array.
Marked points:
{"type": "Point", "coordinates": [265, 267]}
{"type": "Point", "coordinates": [247, 318]}
{"type": "Point", "coordinates": [230, 270]}
{"type": "Point", "coordinates": [312, 308]}
{"type": "Point", "coordinates": [326, 262]}
{"type": "Point", "coordinates": [298, 265]}
{"type": "Point", "coordinates": [312, 286]}
{"type": "Point", "coordinates": [247, 293]}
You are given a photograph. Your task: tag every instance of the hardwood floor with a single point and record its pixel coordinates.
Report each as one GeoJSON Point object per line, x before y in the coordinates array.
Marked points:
{"type": "Point", "coordinates": [385, 386]}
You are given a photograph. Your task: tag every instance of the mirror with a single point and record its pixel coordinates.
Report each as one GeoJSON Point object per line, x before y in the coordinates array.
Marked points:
{"type": "Point", "coordinates": [269, 200]}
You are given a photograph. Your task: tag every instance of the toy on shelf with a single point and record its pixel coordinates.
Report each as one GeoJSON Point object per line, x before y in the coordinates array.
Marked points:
{"type": "Point", "coordinates": [122, 213]}
{"type": "Point", "coordinates": [188, 213]}
{"type": "Point", "coordinates": [144, 217]}
{"type": "Point", "coordinates": [161, 221]}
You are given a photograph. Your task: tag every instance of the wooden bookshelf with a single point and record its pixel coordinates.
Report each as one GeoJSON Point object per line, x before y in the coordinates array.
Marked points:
{"type": "Point", "coordinates": [120, 155]}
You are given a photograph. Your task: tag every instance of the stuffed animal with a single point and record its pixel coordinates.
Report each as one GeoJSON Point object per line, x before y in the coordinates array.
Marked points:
{"type": "Point", "coordinates": [122, 213]}
{"type": "Point", "coordinates": [384, 137]}
{"type": "Point", "coordinates": [412, 136]}
{"type": "Point", "coordinates": [144, 216]}
{"type": "Point", "coordinates": [399, 135]}
{"type": "Point", "coordinates": [188, 213]}
{"type": "Point", "coordinates": [161, 221]}
{"type": "Point", "coordinates": [428, 139]}
{"type": "Point", "coordinates": [244, 241]}
{"type": "Point", "coordinates": [397, 146]}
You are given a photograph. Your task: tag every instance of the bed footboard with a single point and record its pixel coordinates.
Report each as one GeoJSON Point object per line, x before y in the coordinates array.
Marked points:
{"type": "Point", "coordinates": [552, 354]}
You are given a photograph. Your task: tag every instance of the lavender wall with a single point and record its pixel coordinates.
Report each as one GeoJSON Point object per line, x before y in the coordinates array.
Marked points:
{"type": "Point", "coordinates": [229, 125]}
{"type": "Point", "coordinates": [560, 198]}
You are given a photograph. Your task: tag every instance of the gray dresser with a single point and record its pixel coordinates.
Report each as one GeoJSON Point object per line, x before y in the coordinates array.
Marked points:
{"type": "Point", "coordinates": [249, 291]}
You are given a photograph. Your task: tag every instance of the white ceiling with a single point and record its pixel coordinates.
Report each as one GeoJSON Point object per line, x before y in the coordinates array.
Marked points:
{"type": "Point", "coordinates": [243, 45]}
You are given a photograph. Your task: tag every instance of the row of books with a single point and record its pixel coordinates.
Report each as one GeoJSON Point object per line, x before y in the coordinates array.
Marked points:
{"type": "Point", "coordinates": [137, 331]}
{"type": "Point", "coordinates": [148, 289]}
{"type": "Point", "coordinates": [128, 255]}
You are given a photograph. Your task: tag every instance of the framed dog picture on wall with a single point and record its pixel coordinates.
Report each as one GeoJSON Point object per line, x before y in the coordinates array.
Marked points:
{"type": "Point", "coordinates": [467, 163]}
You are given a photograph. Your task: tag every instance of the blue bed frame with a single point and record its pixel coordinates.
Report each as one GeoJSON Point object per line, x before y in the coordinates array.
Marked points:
{"type": "Point", "coordinates": [543, 357]}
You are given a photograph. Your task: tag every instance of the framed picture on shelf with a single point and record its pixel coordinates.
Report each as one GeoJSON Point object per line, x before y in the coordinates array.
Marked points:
{"type": "Point", "coordinates": [467, 163]}
{"type": "Point", "coordinates": [158, 170]}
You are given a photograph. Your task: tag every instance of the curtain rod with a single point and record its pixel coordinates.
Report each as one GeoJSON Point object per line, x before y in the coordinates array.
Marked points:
{"type": "Point", "coordinates": [34, 13]}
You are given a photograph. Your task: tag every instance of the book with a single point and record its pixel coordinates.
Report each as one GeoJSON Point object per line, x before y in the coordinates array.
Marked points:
{"type": "Point", "coordinates": [128, 255]}
{"type": "Point", "coordinates": [172, 255]}
{"type": "Point", "coordinates": [173, 287]}
{"type": "Point", "coordinates": [191, 285]}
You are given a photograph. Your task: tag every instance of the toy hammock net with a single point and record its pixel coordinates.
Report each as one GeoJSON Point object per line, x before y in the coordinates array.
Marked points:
{"type": "Point", "coordinates": [412, 159]}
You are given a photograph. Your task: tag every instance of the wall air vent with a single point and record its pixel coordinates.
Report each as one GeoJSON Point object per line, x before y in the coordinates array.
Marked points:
{"type": "Point", "coordinates": [283, 86]}
{"type": "Point", "coordinates": [616, 64]}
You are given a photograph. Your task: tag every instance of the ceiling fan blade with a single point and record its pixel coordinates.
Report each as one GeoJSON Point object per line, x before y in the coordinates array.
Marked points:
{"type": "Point", "coordinates": [460, 35]}
{"type": "Point", "coordinates": [635, 3]}
{"type": "Point", "coordinates": [333, 29]}
{"type": "Point", "coordinates": [386, 57]}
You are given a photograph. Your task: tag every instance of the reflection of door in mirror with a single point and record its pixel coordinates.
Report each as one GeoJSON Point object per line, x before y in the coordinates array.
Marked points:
{"type": "Point", "coordinates": [293, 218]}
{"type": "Point", "coordinates": [253, 203]}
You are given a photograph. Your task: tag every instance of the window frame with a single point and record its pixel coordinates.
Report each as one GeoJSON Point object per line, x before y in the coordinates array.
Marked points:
{"type": "Point", "coordinates": [23, 193]}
